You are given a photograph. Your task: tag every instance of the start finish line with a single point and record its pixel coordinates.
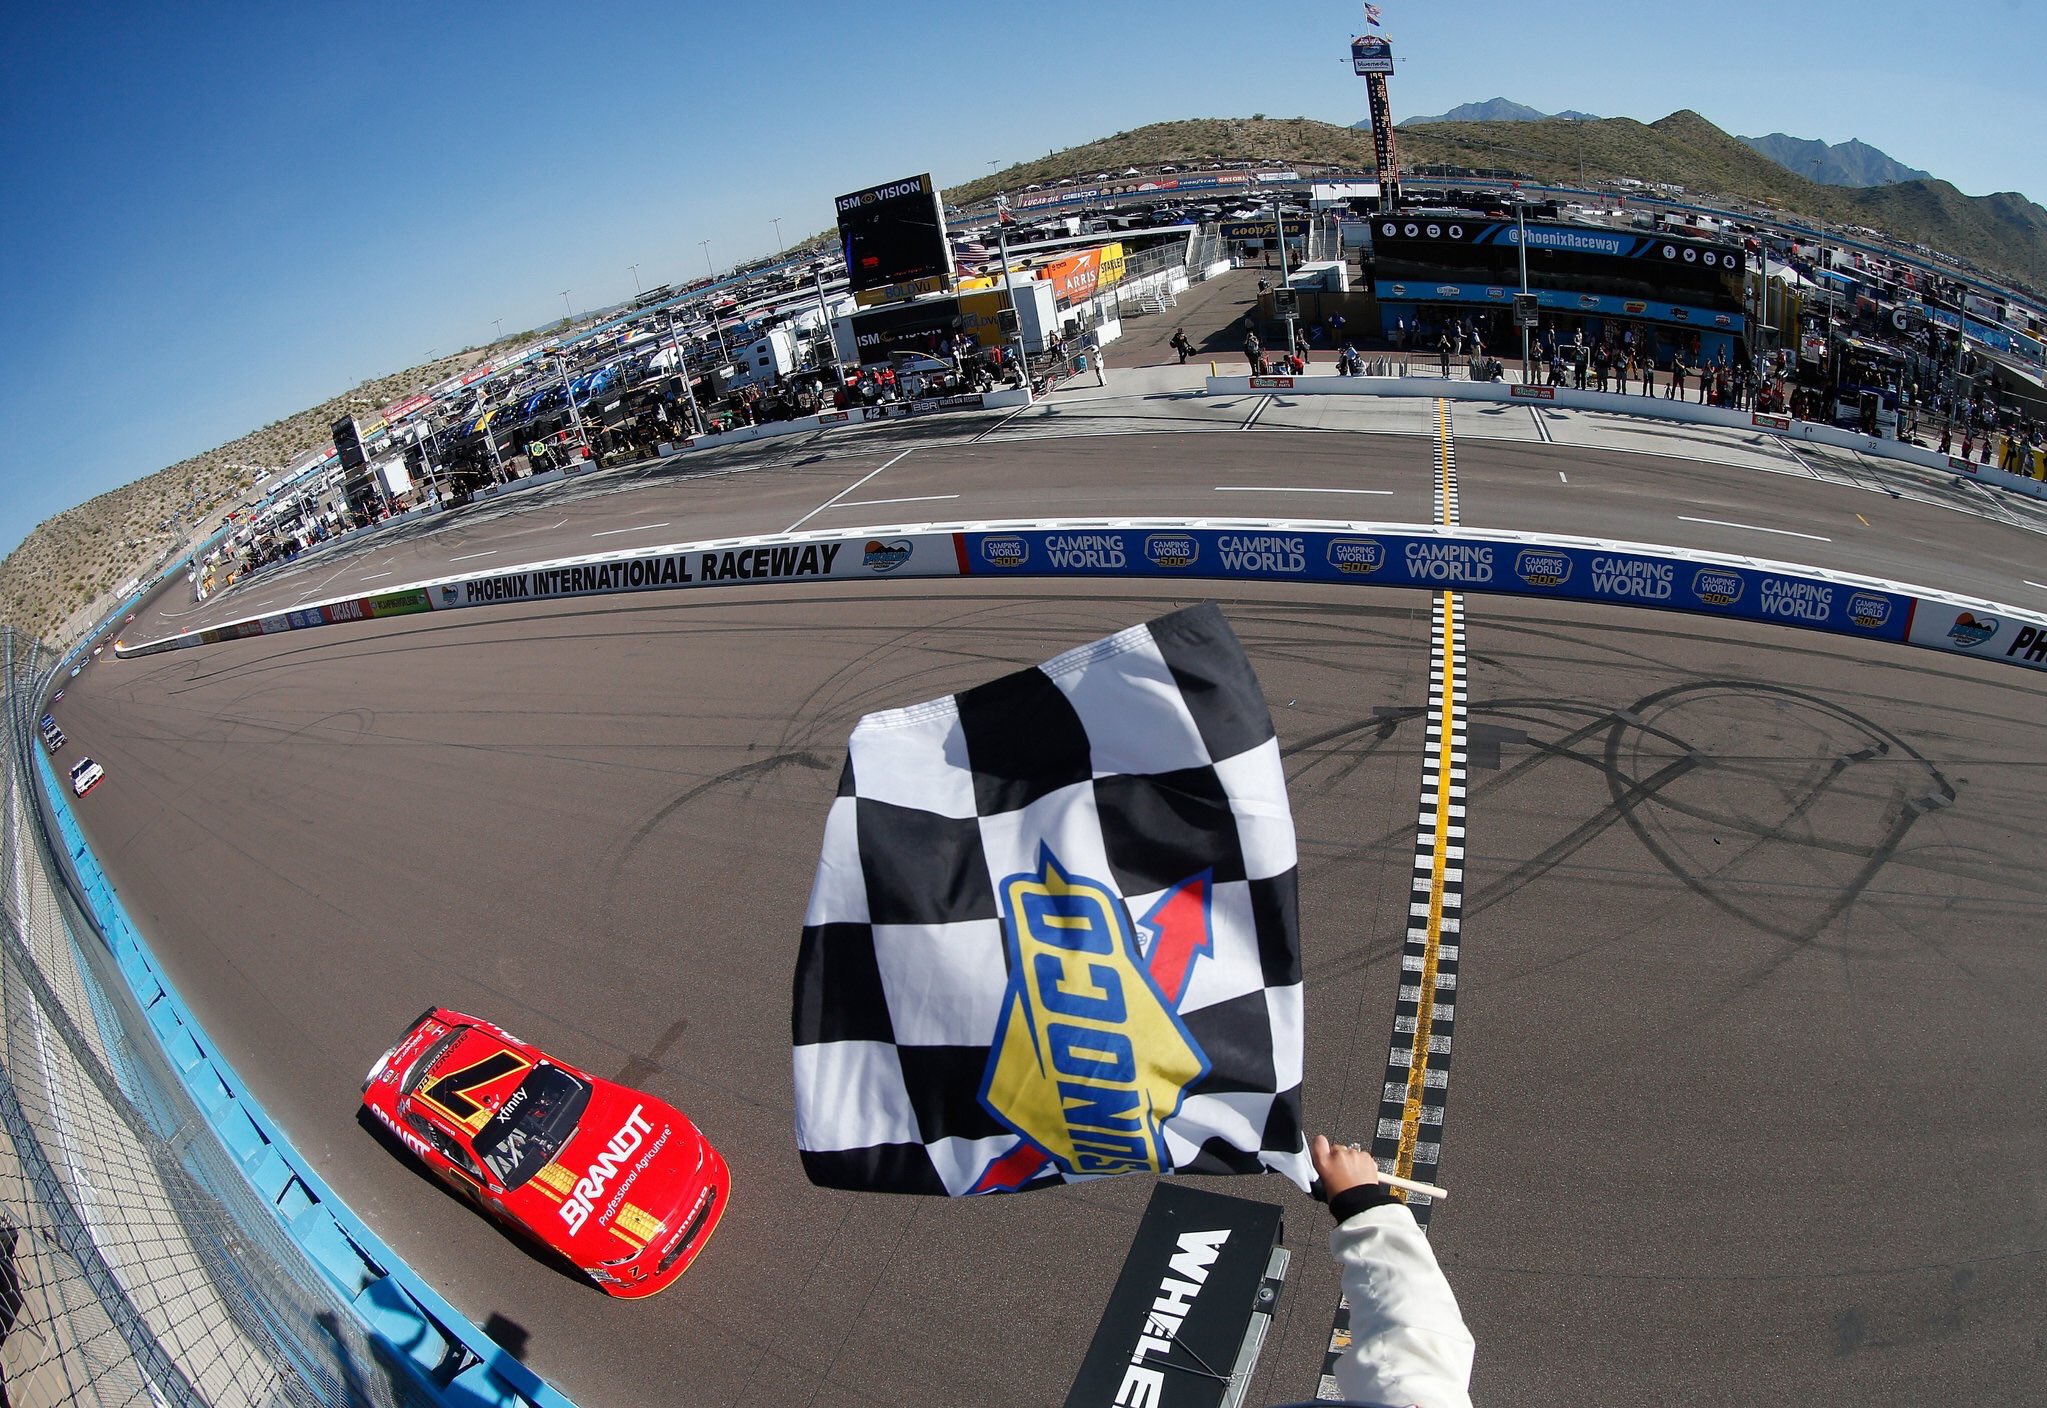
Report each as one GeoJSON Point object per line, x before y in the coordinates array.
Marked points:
{"type": "Point", "coordinates": [1399, 555]}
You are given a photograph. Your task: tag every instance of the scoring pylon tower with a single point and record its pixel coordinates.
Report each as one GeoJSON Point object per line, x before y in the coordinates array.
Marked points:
{"type": "Point", "coordinates": [1371, 58]}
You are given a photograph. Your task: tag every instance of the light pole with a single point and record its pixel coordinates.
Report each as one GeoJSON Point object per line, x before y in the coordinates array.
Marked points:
{"type": "Point", "coordinates": [575, 415]}
{"type": "Point", "coordinates": [1279, 233]}
{"type": "Point", "coordinates": [568, 314]}
{"type": "Point", "coordinates": [637, 287]}
{"type": "Point", "coordinates": [499, 323]}
{"type": "Point", "coordinates": [497, 463]}
{"type": "Point", "coordinates": [776, 220]}
{"type": "Point", "coordinates": [712, 270]}
{"type": "Point", "coordinates": [825, 316]}
{"type": "Point", "coordinates": [682, 370]}
{"type": "Point", "coordinates": [430, 451]}
{"type": "Point", "coordinates": [1023, 353]}
{"type": "Point", "coordinates": [1521, 248]}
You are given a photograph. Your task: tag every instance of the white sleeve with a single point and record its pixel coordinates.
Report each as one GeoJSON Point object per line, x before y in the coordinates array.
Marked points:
{"type": "Point", "coordinates": [1408, 1344]}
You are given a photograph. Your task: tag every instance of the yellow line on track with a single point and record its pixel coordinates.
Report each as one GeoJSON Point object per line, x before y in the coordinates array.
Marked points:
{"type": "Point", "coordinates": [1425, 1007]}
{"type": "Point", "coordinates": [1443, 462]}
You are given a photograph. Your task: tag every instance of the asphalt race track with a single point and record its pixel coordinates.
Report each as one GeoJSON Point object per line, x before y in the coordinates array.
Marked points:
{"type": "Point", "coordinates": [1750, 1079]}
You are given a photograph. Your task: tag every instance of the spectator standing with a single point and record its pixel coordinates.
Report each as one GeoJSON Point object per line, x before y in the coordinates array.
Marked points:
{"type": "Point", "coordinates": [1252, 347]}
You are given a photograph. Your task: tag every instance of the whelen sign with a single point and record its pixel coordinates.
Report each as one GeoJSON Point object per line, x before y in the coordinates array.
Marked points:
{"type": "Point", "coordinates": [894, 234]}
{"type": "Point", "coordinates": [1370, 54]}
{"type": "Point", "coordinates": [1188, 1317]}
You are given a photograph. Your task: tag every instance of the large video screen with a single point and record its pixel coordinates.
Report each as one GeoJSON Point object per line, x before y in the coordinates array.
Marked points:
{"type": "Point", "coordinates": [926, 325]}
{"type": "Point", "coordinates": [1419, 248]}
{"type": "Point", "coordinates": [894, 234]}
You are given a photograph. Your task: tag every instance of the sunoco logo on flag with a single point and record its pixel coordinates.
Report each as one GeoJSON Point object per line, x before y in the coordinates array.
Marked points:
{"type": "Point", "coordinates": [1090, 1058]}
{"type": "Point", "coordinates": [1052, 934]}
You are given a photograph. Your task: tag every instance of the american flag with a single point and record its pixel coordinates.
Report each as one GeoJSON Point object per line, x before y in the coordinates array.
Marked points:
{"type": "Point", "coordinates": [1372, 15]}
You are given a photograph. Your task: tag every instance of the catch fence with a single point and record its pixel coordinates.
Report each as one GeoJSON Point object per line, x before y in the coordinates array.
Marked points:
{"type": "Point", "coordinates": [138, 1262]}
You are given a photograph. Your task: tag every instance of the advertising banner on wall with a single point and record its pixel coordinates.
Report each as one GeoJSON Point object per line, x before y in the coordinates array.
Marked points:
{"type": "Point", "coordinates": [1296, 228]}
{"type": "Point", "coordinates": [1604, 304]}
{"type": "Point", "coordinates": [1074, 278]}
{"type": "Point", "coordinates": [1624, 577]}
{"type": "Point", "coordinates": [1994, 635]}
{"type": "Point", "coordinates": [1618, 574]}
{"type": "Point", "coordinates": [1112, 265]}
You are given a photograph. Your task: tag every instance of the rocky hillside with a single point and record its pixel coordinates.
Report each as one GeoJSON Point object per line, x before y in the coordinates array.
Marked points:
{"type": "Point", "coordinates": [2001, 233]}
{"type": "Point", "coordinates": [68, 571]}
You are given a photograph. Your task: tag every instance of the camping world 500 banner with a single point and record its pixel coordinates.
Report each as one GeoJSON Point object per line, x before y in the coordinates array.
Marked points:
{"type": "Point", "coordinates": [1629, 578]}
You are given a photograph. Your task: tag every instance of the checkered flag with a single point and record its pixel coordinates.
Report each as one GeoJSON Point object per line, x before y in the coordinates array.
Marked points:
{"type": "Point", "coordinates": [1052, 935]}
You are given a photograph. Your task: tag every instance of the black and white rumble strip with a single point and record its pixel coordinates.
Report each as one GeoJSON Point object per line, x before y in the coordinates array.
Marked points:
{"type": "Point", "coordinates": [1408, 1138]}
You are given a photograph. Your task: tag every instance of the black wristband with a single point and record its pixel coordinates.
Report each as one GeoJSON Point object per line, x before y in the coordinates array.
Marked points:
{"type": "Point", "coordinates": [1352, 1201]}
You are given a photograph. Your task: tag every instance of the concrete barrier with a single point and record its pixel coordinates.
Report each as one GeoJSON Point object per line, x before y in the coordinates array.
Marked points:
{"type": "Point", "coordinates": [1422, 556]}
{"type": "Point", "coordinates": [416, 1324]}
{"type": "Point", "coordinates": [1618, 403]}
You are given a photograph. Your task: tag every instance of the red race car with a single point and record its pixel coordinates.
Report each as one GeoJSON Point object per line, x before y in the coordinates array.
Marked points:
{"type": "Point", "coordinates": [620, 1183]}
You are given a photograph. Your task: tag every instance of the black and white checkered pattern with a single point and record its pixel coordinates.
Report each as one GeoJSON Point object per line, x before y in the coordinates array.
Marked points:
{"type": "Point", "coordinates": [1141, 760]}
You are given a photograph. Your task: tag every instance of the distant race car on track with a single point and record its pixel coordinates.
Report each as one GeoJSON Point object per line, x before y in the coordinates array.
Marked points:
{"type": "Point", "coordinates": [85, 776]}
{"type": "Point", "coordinates": [617, 1181]}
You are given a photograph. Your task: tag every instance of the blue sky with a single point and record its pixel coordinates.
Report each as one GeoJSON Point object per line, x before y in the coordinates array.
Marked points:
{"type": "Point", "coordinates": [218, 214]}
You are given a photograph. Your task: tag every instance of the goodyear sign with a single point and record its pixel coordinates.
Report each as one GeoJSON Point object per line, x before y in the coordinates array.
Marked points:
{"type": "Point", "coordinates": [1296, 228]}
{"type": "Point", "coordinates": [1090, 1057]}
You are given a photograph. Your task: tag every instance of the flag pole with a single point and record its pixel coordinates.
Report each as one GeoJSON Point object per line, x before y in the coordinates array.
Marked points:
{"type": "Point", "coordinates": [1410, 1185]}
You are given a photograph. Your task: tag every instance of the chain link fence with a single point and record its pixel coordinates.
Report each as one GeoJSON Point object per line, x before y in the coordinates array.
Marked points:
{"type": "Point", "coordinates": [138, 1263]}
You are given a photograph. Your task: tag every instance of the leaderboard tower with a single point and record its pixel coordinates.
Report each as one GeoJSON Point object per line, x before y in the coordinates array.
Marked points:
{"type": "Point", "coordinates": [1371, 58]}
